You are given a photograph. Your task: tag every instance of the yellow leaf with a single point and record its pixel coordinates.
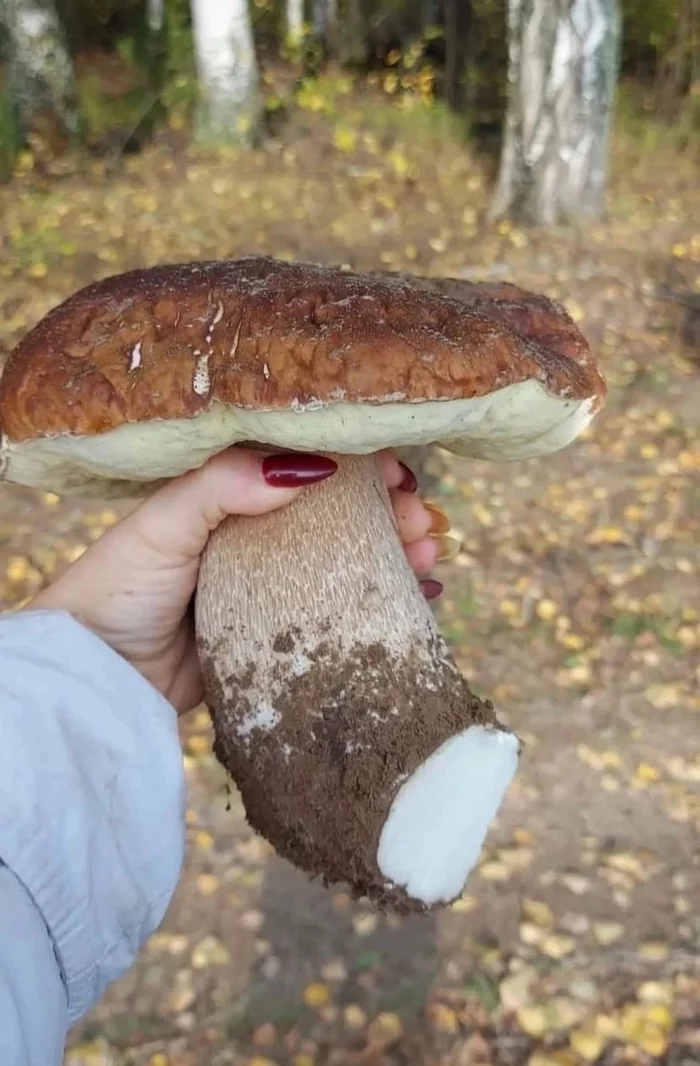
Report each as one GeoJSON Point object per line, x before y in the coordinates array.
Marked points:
{"type": "Point", "coordinates": [495, 871]}
{"type": "Point", "coordinates": [317, 995]}
{"type": "Point", "coordinates": [303, 1060]}
{"type": "Point", "coordinates": [607, 932]}
{"type": "Point", "coordinates": [204, 840]}
{"type": "Point", "coordinates": [210, 952]}
{"type": "Point", "coordinates": [208, 884]}
{"type": "Point", "coordinates": [654, 950]}
{"type": "Point", "coordinates": [646, 773]}
{"type": "Point", "coordinates": [159, 1059]}
{"type": "Point", "coordinates": [640, 1028]}
{"type": "Point", "coordinates": [547, 609]}
{"type": "Point", "coordinates": [18, 569]}
{"type": "Point", "coordinates": [354, 1017]}
{"type": "Point", "coordinates": [385, 1030]}
{"type": "Point", "coordinates": [607, 535]}
{"type": "Point", "coordinates": [587, 1043]}
{"type": "Point", "coordinates": [626, 863]}
{"type": "Point", "coordinates": [536, 1021]}
{"type": "Point", "coordinates": [539, 913]}
{"type": "Point", "coordinates": [465, 904]}
{"type": "Point", "coordinates": [514, 990]}
{"type": "Point", "coordinates": [561, 1057]}
{"type": "Point", "coordinates": [557, 946]}
{"type": "Point", "coordinates": [530, 933]}
{"type": "Point", "coordinates": [656, 992]}
{"type": "Point", "coordinates": [443, 1018]}
{"type": "Point", "coordinates": [345, 139]}
{"type": "Point", "coordinates": [576, 883]}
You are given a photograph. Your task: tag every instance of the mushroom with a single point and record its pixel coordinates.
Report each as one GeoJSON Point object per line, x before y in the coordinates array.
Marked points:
{"type": "Point", "coordinates": [359, 749]}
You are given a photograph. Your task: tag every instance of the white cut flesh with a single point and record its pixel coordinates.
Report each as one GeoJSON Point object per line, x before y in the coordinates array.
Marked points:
{"type": "Point", "coordinates": [439, 819]}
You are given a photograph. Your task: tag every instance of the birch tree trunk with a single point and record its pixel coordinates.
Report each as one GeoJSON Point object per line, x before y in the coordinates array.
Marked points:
{"type": "Point", "coordinates": [227, 71]}
{"type": "Point", "coordinates": [325, 13]}
{"type": "Point", "coordinates": [155, 15]}
{"type": "Point", "coordinates": [295, 20]}
{"type": "Point", "coordinates": [563, 62]}
{"type": "Point", "coordinates": [40, 75]}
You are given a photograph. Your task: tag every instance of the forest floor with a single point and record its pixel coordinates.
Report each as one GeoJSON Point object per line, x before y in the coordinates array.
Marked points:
{"type": "Point", "coordinates": [574, 604]}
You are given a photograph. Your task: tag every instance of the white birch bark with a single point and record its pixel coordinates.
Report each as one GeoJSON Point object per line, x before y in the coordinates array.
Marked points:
{"type": "Point", "coordinates": [41, 72]}
{"type": "Point", "coordinates": [563, 62]}
{"type": "Point", "coordinates": [295, 19]}
{"type": "Point", "coordinates": [155, 15]}
{"type": "Point", "coordinates": [227, 71]}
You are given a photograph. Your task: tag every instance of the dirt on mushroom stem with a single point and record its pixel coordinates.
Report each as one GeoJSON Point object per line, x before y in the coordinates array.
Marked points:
{"type": "Point", "coordinates": [328, 682]}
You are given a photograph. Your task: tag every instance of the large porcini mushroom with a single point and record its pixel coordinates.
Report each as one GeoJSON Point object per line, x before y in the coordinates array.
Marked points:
{"type": "Point", "coordinates": [359, 749]}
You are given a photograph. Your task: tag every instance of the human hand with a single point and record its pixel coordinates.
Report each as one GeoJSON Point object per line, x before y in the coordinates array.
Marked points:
{"type": "Point", "coordinates": [134, 588]}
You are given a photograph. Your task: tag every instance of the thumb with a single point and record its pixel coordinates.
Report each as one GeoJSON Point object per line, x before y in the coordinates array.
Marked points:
{"type": "Point", "coordinates": [178, 519]}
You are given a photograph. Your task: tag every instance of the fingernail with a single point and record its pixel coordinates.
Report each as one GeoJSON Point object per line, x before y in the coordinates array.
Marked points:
{"type": "Point", "coordinates": [431, 589]}
{"type": "Point", "coordinates": [448, 547]}
{"type": "Point", "coordinates": [439, 523]}
{"type": "Point", "coordinates": [292, 471]}
{"type": "Point", "coordinates": [410, 481]}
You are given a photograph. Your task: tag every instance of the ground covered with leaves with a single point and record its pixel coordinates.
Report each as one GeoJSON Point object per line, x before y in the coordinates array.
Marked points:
{"type": "Point", "coordinates": [573, 603]}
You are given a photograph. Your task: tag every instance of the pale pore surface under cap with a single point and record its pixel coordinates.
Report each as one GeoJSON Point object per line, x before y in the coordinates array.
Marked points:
{"type": "Point", "coordinates": [519, 421]}
{"type": "Point", "coordinates": [439, 819]}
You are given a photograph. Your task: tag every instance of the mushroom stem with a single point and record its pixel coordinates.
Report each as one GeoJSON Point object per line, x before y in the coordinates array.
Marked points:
{"type": "Point", "coordinates": [358, 748]}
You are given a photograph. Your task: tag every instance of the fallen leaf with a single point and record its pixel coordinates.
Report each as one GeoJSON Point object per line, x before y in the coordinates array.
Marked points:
{"type": "Point", "coordinates": [656, 992]}
{"type": "Point", "coordinates": [515, 990]}
{"type": "Point", "coordinates": [607, 932]}
{"type": "Point", "coordinates": [354, 1017]}
{"type": "Point", "coordinates": [385, 1031]}
{"type": "Point", "coordinates": [365, 924]}
{"type": "Point", "coordinates": [210, 952]}
{"type": "Point", "coordinates": [443, 1018]}
{"type": "Point", "coordinates": [317, 995]}
{"type": "Point", "coordinates": [557, 946]}
{"type": "Point", "coordinates": [537, 912]}
{"type": "Point", "coordinates": [587, 1043]}
{"type": "Point", "coordinates": [208, 884]}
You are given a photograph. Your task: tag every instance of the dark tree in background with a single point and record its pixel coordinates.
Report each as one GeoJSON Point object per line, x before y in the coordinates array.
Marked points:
{"type": "Point", "coordinates": [40, 74]}
{"type": "Point", "coordinates": [563, 64]}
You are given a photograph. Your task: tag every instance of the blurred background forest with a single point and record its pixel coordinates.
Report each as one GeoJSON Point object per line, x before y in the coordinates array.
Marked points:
{"type": "Point", "coordinates": [552, 143]}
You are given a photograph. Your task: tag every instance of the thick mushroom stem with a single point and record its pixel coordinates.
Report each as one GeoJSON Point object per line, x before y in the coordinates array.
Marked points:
{"type": "Point", "coordinates": [358, 748]}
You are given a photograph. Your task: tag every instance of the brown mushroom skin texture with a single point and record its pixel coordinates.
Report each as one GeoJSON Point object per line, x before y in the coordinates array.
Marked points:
{"type": "Point", "coordinates": [328, 680]}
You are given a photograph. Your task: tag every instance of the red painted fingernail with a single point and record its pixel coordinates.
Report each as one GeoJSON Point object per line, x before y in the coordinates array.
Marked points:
{"type": "Point", "coordinates": [292, 471]}
{"type": "Point", "coordinates": [410, 481]}
{"type": "Point", "coordinates": [431, 589]}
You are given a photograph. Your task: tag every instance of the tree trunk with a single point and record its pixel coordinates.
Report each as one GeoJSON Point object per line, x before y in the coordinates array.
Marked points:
{"type": "Point", "coordinates": [295, 20]}
{"type": "Point", "coordinates": [41, 75]}
{"type": "Point", "coordinates": [563, 61]}
{"type": "Point", "coordinates": [451, 52]}
{"type": "Point", "coordinates": [325, 14]}
{"type": "Point", "coordinates": [355, 48]}
{"type": "Point", "coordinates": [155, 15]}
{"type": "Point", "coordinates": [227, 71]}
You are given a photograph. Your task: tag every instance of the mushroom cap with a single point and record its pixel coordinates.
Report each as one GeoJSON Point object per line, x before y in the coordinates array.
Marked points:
{"type": "Point", "coordinates": [142, 376]}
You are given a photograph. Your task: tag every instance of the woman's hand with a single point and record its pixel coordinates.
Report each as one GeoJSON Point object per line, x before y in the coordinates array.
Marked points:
{"type": "Point", "coordinates": [134, 587]}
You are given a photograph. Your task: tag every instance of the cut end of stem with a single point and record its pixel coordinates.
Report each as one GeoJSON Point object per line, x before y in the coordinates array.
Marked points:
{"type": "Point", "coordinates": [438, 821]}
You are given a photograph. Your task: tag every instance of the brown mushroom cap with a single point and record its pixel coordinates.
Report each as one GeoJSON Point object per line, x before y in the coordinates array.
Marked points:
{"type": "Point", "coordinates": [144, 375]}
